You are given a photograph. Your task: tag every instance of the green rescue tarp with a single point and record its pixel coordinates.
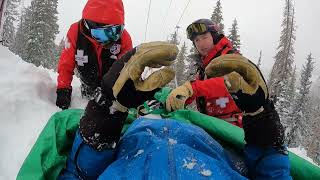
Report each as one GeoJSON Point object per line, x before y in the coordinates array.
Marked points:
{"type": "Point", "coordinates": [48, 155]}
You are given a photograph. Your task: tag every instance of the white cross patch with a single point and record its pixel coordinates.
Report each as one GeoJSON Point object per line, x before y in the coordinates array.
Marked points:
{"type": "Point", "coordinates": [66, 43]}
{"type": "Point", "coordinates": [222, 102]}
{"type": "Point", "coordinates": [80, 58]}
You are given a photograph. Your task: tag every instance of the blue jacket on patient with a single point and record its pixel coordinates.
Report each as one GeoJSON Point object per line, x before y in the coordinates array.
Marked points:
{"type": "Point", "coordinates": [169, 149]}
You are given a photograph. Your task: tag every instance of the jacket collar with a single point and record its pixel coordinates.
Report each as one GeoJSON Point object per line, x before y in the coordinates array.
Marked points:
{"type": "Point", "coordinates": [221, 48]}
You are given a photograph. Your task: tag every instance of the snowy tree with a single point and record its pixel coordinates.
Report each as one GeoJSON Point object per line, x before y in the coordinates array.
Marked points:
{"type": "Point", "coordinates": [217, 18]}
{"type": "Point", "coordinates": [317, 153]}
{"type": "Point", "coordinates": [21, 39]}
{"type": "Point", "coordinates": [3, 4]}
{"type": "Point", "coordinates": [289, 97]}
{"type": "Point", "coordinates": [314, 145]}
{"type": "Point", "coordinates": [234, 36]}
{"type": "Point", "coordinates": [180, 65]}
{"type": "Point", "coordinates": [282, 69]}
{"type": "Point", "coordinates": [43, 28]}
{"type": "Point", "coordinates": [174, 37]}
{"type": "Point", "coordinates": [292, 84]}
{"type": "Point", "coordinates": [58, 50]}
{"type": "Point", "coordinates": [259, 60]}
{"type": "Point", "coordinates": [283, 105]}
{"type": "Point", "coordinates": [10, 16]}
{"type": "Point", "coordinates": [299, 129]}
{"type": "Point", "coordinates": [192, 60]}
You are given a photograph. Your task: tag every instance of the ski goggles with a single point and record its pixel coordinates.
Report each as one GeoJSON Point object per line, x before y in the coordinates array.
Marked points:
{"type": "Point", "coordinates": [104, 33]}
{"type": "Point", "coordinates": [195, 29]}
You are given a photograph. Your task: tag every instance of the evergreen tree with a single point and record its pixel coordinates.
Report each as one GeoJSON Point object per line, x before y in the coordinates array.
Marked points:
{"type": "Point", "coordinates": [259, 60]}
{"type": "Point", "coordinates": [43, 29]}
{"type": "Point", "coordinates": [217, 18]}
{"type": "Point", "coordinates": [10, 16]}
{"type": "Point", "coordinates": [314, 144]}
{"type": "Point", "coordinates": [174, 39]}
{"type": "Point", "coordinates": [291, 95]}
{"type": "Point", "coordinates": [234, 36]}
{"type": "Point", "coordinates": [58, 51]}
{"type": "Point", "coordinates": [283, 105]}
{"type": "Point", "coordinates": [317, 153]}
{"type": "Point", "coordinates": [282, 69]}
{"type": "Point", "coordinates": [21, 39]}
{"type": "Point", "coordinates": [192, 60]}
{"type": "Point", "coordinates": [292, 84]}
{"type": "Point", "coordinates": [3, 4]}
{"type": "Point", "coordinates": [300, 129]}
{"type": "Point", "coordinates": [180, 65]}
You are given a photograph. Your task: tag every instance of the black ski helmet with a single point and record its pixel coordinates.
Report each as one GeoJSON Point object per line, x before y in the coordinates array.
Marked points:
{"type": "Point", "coordinates": [211, 27]}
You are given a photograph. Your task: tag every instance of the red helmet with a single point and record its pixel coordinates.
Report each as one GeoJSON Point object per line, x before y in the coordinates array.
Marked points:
{"type": "Point", "coordinates": [104, 11]}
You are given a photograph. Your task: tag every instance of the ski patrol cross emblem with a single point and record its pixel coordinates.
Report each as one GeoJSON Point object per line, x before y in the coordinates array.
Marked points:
{"type": "Point", "coordinates": [222, 102]}
{"type": "Point", "coordinates": [80, 58]}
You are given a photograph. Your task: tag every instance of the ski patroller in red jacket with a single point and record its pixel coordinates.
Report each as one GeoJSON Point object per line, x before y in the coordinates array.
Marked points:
{"type": "Point", "coordinates": [211, 94]}
{"type": "Point", "coordinates": [102, 11]}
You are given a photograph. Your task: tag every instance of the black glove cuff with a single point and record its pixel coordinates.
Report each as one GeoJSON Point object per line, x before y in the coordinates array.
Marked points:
{"type": "Point", "coordinates": [249, 103]}
{"type": "Point", "coordinates": [99, 128]}
{"type": "Point", "coordinates": [265, 128]}
{"type": "Point", "coordinates": [63, 98]}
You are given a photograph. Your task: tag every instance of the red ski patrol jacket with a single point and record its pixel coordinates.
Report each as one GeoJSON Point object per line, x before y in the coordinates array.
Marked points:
{"type": "Point", "coordinates": [211, 94]}
{"type": "Point", "coordinates": [102, 11]}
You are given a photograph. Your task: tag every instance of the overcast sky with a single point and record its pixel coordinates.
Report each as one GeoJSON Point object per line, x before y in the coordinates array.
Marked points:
{"type": "Point", "coordinates": [258, 21]}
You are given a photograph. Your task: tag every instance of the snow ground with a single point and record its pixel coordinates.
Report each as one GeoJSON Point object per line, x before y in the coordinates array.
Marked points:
{"type": "Point", "coordinates": [27, 101]}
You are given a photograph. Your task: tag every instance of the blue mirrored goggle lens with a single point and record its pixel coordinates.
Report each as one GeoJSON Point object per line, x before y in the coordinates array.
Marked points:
{"type": "Point", "coordinates": [107, 34]}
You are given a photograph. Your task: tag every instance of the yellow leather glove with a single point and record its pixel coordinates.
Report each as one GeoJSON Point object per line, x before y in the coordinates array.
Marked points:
{"type": "Point", "coordinates": [178, 96]}
{"type": "Point", "coordinates": [152, 54]}
{"type": "Point", "coordinates": [243, 80]}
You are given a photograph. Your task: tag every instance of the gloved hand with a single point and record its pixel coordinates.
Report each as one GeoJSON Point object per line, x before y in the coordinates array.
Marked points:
{"type": "Point", "coordinates": [99, 127]}
{"type": "Point", "coordinates": [121, 88]}
{"type": "Point", "coordinates": [153, 54]}
{"type": "Point", "coordinates": [244, 81]}
{"type": "Point", "coordinates": [63, 98]}
{"type": "Point", "coordinates": [178, 96]}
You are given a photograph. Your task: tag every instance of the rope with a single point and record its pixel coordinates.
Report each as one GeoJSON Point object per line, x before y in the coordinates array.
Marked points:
{"type": "Point", "coordinates": [145, 35]}
{"type": "Point", "coordinates": [185, 8]}
{"type": "Point", "coordinates": [163, 24]}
